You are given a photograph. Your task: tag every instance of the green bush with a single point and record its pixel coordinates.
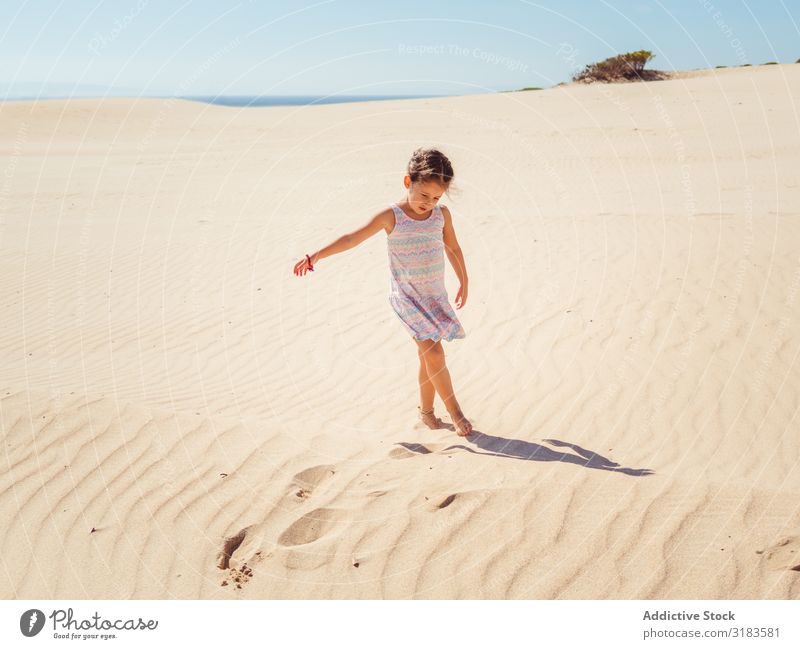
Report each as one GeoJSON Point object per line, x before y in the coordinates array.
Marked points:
{"type": "Point", "coordinates": [769, 63]}
{"type": "Point", "coordinates": [722, 66]}
{"type": "Point", "coordinates": [746, 65]}
{"type": "Point", "coordinates": [623, 66]}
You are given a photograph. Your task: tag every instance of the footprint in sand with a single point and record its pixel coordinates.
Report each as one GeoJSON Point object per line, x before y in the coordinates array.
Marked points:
{"type": "Point", "coordinates": [784, 555]}
{"type": "Point", "coordinates": [411, 449]}
{"type": "Point", "coordinates": [465, 502]}
{"type": "Point", "coordinates": [237, 576]}
{"type": "Point", "coordinates": [434, 504]}
{"type": "Point", "coordinates": [304, 483]}
{"type": "Point", "coordinates": [229, 546]}
{"type": "Point", "coordinates": [311, 527]}
{"type": "Point", "coordinates": [402, 453]}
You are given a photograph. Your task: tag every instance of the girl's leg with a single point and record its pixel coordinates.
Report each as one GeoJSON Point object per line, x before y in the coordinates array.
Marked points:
{"type": "Point", "coordinates": [432, 353]}
{"type": "Point", "coordinates": [427, 392]}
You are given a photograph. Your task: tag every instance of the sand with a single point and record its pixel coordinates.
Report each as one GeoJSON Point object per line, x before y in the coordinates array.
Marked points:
{"type": "Point", "coordinates": [182, 417]}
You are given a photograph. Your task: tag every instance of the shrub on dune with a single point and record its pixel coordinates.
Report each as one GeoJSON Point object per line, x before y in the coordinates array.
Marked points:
{"type": "Point", "coordinates": [623, 67]}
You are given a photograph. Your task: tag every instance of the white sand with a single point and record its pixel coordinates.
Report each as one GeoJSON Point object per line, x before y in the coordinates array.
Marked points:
{"type": "Point", "coordinates": [166, 380]}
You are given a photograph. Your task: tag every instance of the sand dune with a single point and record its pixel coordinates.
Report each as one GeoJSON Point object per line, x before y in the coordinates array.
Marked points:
{"type": "Point", "coordinates": [184, 418]}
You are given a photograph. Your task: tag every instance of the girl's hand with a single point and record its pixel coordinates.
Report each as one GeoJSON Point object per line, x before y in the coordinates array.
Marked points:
{"type": "Point", "coordinates": [461, 297]}
{"type": "Point", "coordinates": [302, 267]}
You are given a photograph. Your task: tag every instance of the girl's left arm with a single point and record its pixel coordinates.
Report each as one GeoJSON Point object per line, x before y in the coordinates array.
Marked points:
{"type": "Point", "coordinates": [452, 248]}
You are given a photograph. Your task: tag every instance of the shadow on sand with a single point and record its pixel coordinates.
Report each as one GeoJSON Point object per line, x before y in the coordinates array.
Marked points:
{"type": "Point", "coordinates": [520, 450]}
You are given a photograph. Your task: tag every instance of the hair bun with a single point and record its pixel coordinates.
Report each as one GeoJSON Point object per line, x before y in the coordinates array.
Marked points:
{"type": "Point", "coordinates": [430, 164]}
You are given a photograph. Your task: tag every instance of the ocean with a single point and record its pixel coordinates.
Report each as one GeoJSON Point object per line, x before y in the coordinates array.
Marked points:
{"type": "Point", "coordinates": [255, 101]}
{"type": "Point", "coordinates": [295, 100]}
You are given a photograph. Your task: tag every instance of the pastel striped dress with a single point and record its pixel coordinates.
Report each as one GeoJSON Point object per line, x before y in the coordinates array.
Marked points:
{"type": "Point", "coordinates": [416, 283]}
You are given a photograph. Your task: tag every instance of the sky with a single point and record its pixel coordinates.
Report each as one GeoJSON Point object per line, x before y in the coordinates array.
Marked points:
{"type": "Point", "coordinates": [350, 47]}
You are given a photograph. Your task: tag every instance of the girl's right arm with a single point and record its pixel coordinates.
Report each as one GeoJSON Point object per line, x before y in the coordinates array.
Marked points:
{"type": "Point", "coordinates": [378, 222]}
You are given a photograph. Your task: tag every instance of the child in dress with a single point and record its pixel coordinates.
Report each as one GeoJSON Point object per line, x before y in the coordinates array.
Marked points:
{"type": "Point", "coordinates": [419, 231]}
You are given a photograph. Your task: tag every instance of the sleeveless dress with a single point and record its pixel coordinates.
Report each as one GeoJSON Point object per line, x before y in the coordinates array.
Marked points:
{"type": "Point", "coordinates": [416, 283]}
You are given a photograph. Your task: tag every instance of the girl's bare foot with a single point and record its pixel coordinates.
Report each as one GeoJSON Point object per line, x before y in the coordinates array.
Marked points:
{"type": "Point", "coordinates": [429, 419]}
{"type": "Point", "coordinates": [462, 424]}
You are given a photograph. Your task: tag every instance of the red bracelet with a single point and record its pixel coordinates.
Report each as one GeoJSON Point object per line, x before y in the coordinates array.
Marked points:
{"type": "Point", "coordinates": [310, 265]}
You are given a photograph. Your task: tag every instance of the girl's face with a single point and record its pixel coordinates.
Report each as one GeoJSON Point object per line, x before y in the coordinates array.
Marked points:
{"type": "Point", "coordinates": [423, 195]}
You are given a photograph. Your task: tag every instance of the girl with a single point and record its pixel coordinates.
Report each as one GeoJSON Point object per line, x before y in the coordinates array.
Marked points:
{"type": "Point", "coordinates": [419, 231]}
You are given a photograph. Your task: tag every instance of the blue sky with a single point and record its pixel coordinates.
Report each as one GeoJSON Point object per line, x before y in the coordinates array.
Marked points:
{"type": "Point", "coordinates": [276, 47]}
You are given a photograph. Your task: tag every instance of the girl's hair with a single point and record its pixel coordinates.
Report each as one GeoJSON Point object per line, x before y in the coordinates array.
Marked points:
{"type": "Point", "coordinates": [430, 164]}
